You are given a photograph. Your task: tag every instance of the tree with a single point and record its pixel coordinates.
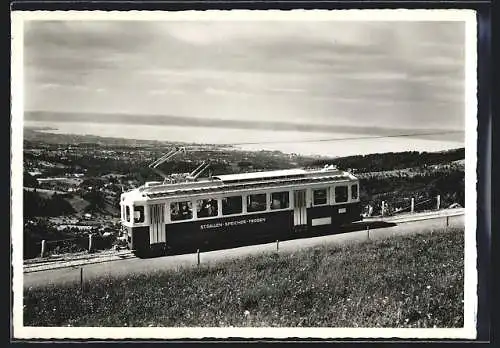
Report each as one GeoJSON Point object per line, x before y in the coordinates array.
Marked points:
{"type": "Point", "coordinates": [29, 180]}
{"type": "Point", "coordinates": [96, 200]}
{"type": "Point", "coordinates": [36, 205]}
{"type": "Point", "coordinates": [59, 206]}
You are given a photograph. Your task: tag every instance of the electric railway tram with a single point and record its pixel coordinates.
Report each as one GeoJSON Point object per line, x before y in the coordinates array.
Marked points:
{"type": "Point", "coordinates": [237, 207]}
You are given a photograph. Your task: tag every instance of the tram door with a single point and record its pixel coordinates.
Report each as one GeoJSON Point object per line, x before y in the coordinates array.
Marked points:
{"type": "Point", "coordinates": [299, 210]}
{"type": "Point", "coordinates": [157, 232]}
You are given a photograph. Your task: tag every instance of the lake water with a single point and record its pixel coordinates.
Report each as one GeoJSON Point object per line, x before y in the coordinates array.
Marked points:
{"type": "Point", "coordinates": [286, 141]}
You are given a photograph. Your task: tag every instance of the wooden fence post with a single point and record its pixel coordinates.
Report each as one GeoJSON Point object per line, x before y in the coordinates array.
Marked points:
{"type": "Point", "coordinates": [277, 245]}
{"type": "Point", "coordinates": [90, 242]}
{"type": "Point", "coordinates": [368, 231]}
{"type": "Point", "coordinates": [438, 204]}
{"type": "Point", "coordinates": [383, 208]}
{"type": "Point", "coordinates": [81, 279]}
{"type": "Point", "coordinates": [42, 252]}
{"type": "Point", "coordinates": [198, 256]}
{"type": "Point", "coordinates": [412, 208]}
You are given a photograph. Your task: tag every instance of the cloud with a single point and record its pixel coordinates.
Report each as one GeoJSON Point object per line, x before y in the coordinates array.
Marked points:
{"type": "Point", "coordinates": [50, 85]}
{"type": "Point", "coordinates": [287, 90]}
{"type": "Point", "coordinates": [166, 91]}
{"type": "Point", "coordinates": [217, 91]}
{"type": "Point", "coordinates": [406, 73]}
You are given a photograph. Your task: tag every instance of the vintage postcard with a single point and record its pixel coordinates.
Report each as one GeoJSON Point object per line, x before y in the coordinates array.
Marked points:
{"type": "Point", "coordinates": [252, 174]}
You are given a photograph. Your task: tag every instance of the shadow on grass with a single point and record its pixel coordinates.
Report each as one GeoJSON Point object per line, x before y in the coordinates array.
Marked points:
{"type": "Point", "coordinates": [214, 245]}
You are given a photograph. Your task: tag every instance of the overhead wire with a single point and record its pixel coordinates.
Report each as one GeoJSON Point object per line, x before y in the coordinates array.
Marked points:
{"type": "Point", "coordinates": [340, 139]}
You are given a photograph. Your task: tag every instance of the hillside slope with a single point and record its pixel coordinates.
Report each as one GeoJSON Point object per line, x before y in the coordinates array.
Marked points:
{"type": "Point", "coordinates": [411, 281]}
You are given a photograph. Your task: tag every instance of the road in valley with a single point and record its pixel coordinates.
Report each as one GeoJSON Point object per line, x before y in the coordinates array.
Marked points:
{"type": "Point", "coordinates": [124, 263]}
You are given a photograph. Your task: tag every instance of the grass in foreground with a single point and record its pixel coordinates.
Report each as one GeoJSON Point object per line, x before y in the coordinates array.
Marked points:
{"type": "Point", "coordinates": [413, 281]}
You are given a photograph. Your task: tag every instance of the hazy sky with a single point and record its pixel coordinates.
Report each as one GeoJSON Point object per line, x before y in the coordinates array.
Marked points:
{"type": "Point", "coordinates": [385, 74]}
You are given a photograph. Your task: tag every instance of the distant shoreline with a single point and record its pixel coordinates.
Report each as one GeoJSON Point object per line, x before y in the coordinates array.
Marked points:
{"type": "Point", "coordinates": [45, 131]}
{"type": "Point", "coordinates": [251, 140]}
{"type": "Point", "coordinates": [218, 123]}
{"type": "Point", "coordinates": [39, 128]}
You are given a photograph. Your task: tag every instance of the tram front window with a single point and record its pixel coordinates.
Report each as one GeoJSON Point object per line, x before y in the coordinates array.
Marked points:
{"type": "Point", "coordinates": [127, 213]}
{"type": "Point", "coordinates": [354, 191]}
{"type": "Point", "coordinates": [139, 214]}
{"type": "Point", "coordinates": [319, 197]}
{"type": "Point", "coordinates": [340, 194]}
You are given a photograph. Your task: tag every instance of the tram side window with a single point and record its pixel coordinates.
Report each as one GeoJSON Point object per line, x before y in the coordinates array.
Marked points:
{"type": "Point", "coordinates": [232, 205]}
{"type": "Point", "coordinates": [354, 191]}
{"type": "Point", "coordinates": [127, 213]}
{"type": "Point", "coordinates": [340, 194]}
{"type": "Point", "coordinates": [280, 200]}
{"type": "Point", "coordinates": [256, 202]}
{"type": "Point", "coordinates": [207, 207]}
{"type": "Point", "coordinates": [181, 211]}
{"type": "Point", "coordinates": [139, 214]}
{"type": "Point", "coordinates": [319, 197]}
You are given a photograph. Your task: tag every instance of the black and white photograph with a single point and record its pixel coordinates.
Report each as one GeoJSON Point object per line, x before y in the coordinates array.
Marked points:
{"type": "Point", "coordinates": [253, 174]}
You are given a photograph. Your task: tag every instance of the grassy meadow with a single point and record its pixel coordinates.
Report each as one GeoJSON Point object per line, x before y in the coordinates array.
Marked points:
{"type": "Point", "coordinates": [408, 281]}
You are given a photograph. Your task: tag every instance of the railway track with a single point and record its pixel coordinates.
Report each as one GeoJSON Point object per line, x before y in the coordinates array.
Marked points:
{"type": "Point", "coordinates": [376, 223]}
{"type": "Point", "coordinates": [68, 261]}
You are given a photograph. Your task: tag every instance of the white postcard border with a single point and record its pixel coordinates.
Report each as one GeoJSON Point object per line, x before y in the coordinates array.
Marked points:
{"type": "Point", "coordinates": [470, 286]}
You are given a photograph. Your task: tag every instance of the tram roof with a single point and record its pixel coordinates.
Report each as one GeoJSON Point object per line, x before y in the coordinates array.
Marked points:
{"type": "Point", "coordinates": [286, 173]}
{"type": "Point", "coordinates": [245, 181]}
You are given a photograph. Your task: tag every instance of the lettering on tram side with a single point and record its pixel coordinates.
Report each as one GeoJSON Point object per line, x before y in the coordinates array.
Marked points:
{"type": "Point", "coordinates": [233, 223]}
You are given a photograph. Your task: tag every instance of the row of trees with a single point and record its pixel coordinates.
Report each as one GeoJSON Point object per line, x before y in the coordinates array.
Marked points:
{"type": "Point", "coordinates": [37, 205]}
{"type": "Point", "coordinates": [60, 241]}
{"type": "Point", "coordinates": [397, 191]}
{"type": "Point", "coordinates": [395, 160]}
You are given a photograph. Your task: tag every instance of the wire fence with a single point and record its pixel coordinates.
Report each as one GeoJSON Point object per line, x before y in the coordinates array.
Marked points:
{"type": "Point", "coordinates": [404, 205]}
{"type": "Point", "coordinates": [88, 243]}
